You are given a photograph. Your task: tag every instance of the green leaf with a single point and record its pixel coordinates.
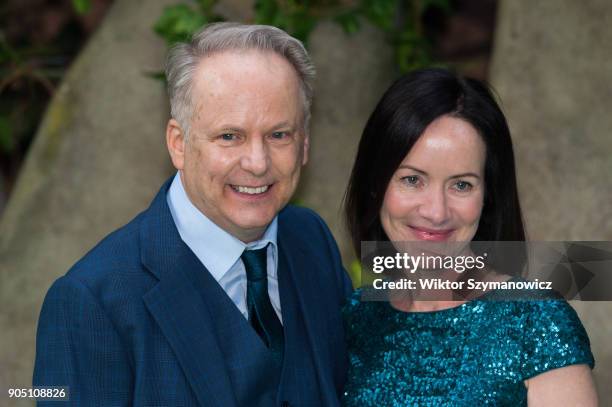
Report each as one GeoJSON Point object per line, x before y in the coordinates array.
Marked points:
{"type": "Point", "coordinates": [348, 21]}
{"type": "Point", "coordinates": [355, 272]}
{"type": "Point", "coordinates": [300, 17]}
{"type": "Point", "coordinates": [380, 12]}
{"type": "Point", "coordinates": [293, 17]}
{"type": "Point", "coordinates": [157, 75]}
{"type": "Point", "coordinates": [206, 6]}
{"type": "Point", "coordinates": [6, 52]}
{"type": "Point", "coordinates": [297, 201]}
{"type": "Point", "coordinates": [81, 6]}
{"type": "Point", "coordinates": [178, 23]}
{"type": "Point", "coordinates": [6, 140]}
{"type": "Point", "coordinates": [266, 12]}
{"type": "Point", "coordinates": [300, 25]}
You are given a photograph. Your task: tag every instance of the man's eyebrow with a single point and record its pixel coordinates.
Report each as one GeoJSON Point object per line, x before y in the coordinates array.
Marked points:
{"type": "Point", "coordinates": [228, 129]}
{"type": "Point", "coordinates": [235, 129]}
{"type": "Point", "coordinates": [282, 124]}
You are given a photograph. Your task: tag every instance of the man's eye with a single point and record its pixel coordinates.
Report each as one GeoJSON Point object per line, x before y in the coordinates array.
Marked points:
{"type": "Point", "coordinates": [463, 186]}
{"type": "Point", "coordinates": [228, 137]}
{"type": "Point", "coordinates": [279, 135]}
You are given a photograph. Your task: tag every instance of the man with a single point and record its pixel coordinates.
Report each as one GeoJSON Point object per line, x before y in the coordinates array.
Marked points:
{"type": "Point", "coordinates": [218, 294]}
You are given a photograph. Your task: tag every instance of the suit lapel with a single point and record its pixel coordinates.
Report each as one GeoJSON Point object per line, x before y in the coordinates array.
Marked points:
{"type": "Point", "coordinates": [178, 306]}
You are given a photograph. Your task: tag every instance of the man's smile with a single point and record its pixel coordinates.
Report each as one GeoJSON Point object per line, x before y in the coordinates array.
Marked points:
{"type": "Point", "coordinates": [251, 190]}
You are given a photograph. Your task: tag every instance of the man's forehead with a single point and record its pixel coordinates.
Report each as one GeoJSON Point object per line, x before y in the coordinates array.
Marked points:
{"type": "Point", "coordinates": [240, 81]}
{"type": "Point", "coordinates": [245, 64]}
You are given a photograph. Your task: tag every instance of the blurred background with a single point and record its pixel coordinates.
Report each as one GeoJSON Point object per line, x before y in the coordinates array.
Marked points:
{"type": "Point", "coordinates": [83, 112]}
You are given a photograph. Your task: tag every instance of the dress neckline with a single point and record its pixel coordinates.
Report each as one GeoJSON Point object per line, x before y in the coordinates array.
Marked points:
{"type": "Point", "coordinates": [450, 309]}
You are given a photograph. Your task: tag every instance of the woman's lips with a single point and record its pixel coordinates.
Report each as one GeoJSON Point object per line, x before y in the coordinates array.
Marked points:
{"type": "Point", "coordinates": [435, 235]}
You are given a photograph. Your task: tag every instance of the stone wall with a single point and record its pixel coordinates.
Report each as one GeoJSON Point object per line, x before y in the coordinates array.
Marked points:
{"type": "Point", "coordinates": [97, 159]}
{"type": "Point", "coordinates": [353, 73]}
{"type": "Point", "coordinates": [552, 67]}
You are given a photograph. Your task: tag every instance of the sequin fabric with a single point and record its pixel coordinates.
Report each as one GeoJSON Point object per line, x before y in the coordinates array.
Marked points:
{"type": "Point", "coordinates": [479, 353]}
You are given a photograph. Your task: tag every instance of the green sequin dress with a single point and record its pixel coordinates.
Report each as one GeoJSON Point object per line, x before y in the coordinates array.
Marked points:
{"type": "Point", "coordinates": [479, 353]}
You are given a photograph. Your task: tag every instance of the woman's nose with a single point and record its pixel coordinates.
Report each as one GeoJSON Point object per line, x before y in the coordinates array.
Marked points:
{"type": "Point", "coordinates": [434, 206]}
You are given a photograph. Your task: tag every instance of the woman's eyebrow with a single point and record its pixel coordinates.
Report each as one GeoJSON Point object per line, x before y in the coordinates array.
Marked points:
{"type": "Point", "coordinates": [464, 174]}
{"type": "Point", "coordinates": [404, 166]}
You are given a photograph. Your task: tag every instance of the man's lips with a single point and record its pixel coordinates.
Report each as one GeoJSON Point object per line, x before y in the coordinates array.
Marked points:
{"type": "Point", "coordinates": [431, 234]}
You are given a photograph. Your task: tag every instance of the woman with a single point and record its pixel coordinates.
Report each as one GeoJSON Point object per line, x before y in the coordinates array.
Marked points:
{"type": "Point", "coordinates": [435, 163]}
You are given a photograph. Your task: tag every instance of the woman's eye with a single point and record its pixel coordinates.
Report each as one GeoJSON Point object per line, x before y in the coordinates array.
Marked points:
{"type": "Point", "coordinates": [463, 186]}
{"type": "Point", "coordinates": [411, 180]}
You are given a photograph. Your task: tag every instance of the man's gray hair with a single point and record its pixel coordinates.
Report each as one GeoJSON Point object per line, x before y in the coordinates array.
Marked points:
{"type": "Point", "coordinates": [184, 58]}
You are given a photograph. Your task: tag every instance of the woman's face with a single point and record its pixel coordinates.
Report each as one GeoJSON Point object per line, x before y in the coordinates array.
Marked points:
{"type": "Point", "coordinates": [437, 192]}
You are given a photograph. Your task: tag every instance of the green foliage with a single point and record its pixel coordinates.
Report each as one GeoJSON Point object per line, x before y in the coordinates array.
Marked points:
{"type": "Point", "coordinates": [157, 75]}
{"type": "Point", "coordinates": [179, 22]}
{"type": "Point", "coordinates": [81, 6]}
{"type": "Point", "coordinates": [293, 16]}
{"type": "Point", "coordinates": [7, 54]}
{"type": "Point", "coordinates": [349, 21]}
{"type": "Point", "coordinates": [412, 51]}
{"type": "Point", "coordinates": [297, 201]}
{"type": "Point", "coordinates": [19, 83]}
{"type": "Point", "coordinates": [400, 20]}
{"type": "Point", "coordinates": [381, 13]}
{"type": "Point", "coordinates": [355, 273]}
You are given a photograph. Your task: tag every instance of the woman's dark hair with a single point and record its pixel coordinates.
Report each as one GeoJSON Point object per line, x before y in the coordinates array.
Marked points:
{"type": "Point", "coordinates": [400, 118]}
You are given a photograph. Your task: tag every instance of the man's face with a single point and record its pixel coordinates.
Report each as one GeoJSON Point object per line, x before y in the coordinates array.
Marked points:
{"type": "Point", "coordinates": [242, 160]}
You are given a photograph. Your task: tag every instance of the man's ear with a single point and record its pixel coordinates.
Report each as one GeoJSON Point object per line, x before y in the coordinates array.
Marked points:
{"type": "Point", "coordinates": [175, 141]}
{"type": "Point", "coordinates": [306, 149]}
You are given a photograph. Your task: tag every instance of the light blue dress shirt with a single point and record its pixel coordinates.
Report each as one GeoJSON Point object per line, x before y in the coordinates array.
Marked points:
{"type": "Point", "coordinates": [219, 251]}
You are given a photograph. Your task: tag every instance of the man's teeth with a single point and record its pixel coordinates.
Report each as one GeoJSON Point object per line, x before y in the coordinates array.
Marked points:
{"type": "Point", "coordinates": [251, 191]}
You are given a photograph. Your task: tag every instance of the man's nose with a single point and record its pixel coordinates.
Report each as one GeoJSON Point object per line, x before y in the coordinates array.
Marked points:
{"type": "Point", "coordinates": [434, 206]}
{"type": "Point", "coordinates": [256, 158]}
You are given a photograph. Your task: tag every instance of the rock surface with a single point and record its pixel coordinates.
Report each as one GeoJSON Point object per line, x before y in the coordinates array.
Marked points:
{"type": "Point", "coordinates": [97, 160]}
{"type": "Point", "coordinates": [352, 74]}
{"type": "Point", "coordinates": [553, 72]}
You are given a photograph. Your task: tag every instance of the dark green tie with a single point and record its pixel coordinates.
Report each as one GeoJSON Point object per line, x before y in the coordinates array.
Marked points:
{"type": "Point", "coordinates": [262, 316]}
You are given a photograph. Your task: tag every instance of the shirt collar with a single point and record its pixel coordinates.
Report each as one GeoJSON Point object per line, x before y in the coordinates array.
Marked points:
{"type": "Point", "coordinates": [214, 247]}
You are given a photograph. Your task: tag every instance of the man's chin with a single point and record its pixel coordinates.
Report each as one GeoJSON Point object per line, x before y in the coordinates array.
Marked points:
{"type": "Point", "coordinates": [250, 218]}
{"type": "Point", "coordinates": [261, 223]}
{"type": "Point", "coordinates": [254, 226]}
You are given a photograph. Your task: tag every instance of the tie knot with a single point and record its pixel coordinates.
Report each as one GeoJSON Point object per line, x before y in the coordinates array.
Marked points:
{"type": "Point", "coordinates": [255, 263]}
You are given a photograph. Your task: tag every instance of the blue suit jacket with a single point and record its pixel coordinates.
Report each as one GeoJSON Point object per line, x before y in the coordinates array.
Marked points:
{"type": "Point", "coordinates": [131, 323]}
